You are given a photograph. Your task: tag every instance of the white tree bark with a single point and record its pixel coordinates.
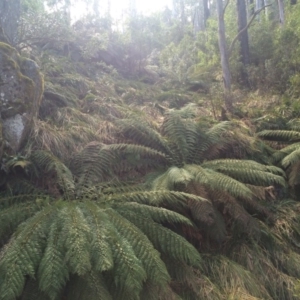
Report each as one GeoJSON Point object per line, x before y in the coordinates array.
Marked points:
{"type": "Point", "coordinates": [224, 55]}
{"type": "Point", "coordinates": [281, 11]}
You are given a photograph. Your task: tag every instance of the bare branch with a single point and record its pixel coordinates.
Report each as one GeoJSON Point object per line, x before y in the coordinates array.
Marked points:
{"type": "Point", "coordinates": [245, 28]}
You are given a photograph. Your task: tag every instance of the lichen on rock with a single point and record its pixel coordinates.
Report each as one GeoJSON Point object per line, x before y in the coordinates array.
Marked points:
{"type": "Point", "coordinates": [21, 89]}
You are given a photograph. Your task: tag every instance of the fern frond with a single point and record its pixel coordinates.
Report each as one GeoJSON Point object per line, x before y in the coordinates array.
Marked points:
{"type": "Point", "coordinates": [279, 155]}
{"type": "Point", "coordinates": [217, 131]}
{"type": "Point", "coordinates": [128, 271]}
{"type": "Point", "coordinates": [101, 253]}
{"type": "Point", "coordinates": [156, 214]}
{"type": "Point", "coordinates": [75, 236]}
{"type": "Point", "coordinates": [48, 163]}
{"type": "Point", "coordinates": [182, 133]}
{"type": "Point", "coordinates": [294, 174]}
{"type": "Point", "coordinates": [155, 269]}
{"type": "Point", "coordinates": [22, 255]}
{"type": "Point", "coordinates": [291, 158]}
{"type": "Point", "coordinates": [218, 181]}
{"type": "Point", "coordinates": [14, 215]}
{"type": "Point", "coordinates": [177, 247]}
{"type": "Point", "coordinates": [98, 162]}
{"type": "Point", "coordinates": [143, 134]}
{"type": "Point", "coordinates": [53, 272]}
{"type": "Point", "coordinates": [279, 135]}
{"type": "Point", "coordinates": [247, 171]}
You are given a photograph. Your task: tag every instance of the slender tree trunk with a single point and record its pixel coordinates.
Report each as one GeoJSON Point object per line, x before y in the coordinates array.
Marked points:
{"type": "Point", "coordinates": [182, 13]}
{"type": "Point", "coordinates": [281, 11]}
{"type": "Point", "coordinates": [250, 8]}
{"type": "Point", "coordinates": [243, 39]}
{"type": "Point", "coordinates": [224, 56]}
{"type": "Point", "coordinates": [9, 19]}
{"type": "Point", "coordinates": [206, 12]}
{"type": "Point", "coordinates": [197, 24]}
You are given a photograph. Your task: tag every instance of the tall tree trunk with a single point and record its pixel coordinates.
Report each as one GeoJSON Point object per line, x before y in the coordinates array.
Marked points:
{"type": "Point", "coordinates": [206, 12]}
{"type": "Point", "coordinates": [197, 24]}
{"type": "Point", "coordinates": [243, 39]}
{"type": "Point", "coordinates": [281, 11]}
{"type": "Point", "coordinates": [224, 56]}
{"type": "Point", "coordinates": [250, 7]}
{"type": "Point", "coordinates": [9, 19]}
{"type": "Point", "coordinates": [182, 13]}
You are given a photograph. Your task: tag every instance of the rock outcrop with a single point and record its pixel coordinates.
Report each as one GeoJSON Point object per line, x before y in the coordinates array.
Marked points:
{"type": "Point", "coordinates": [21, 90]}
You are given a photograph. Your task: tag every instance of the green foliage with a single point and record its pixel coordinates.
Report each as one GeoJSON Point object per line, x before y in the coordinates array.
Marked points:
{"type": "Point", "coordinates": [112, 236]}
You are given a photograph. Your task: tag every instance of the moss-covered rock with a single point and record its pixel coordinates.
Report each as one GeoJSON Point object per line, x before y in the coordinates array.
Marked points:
{"type": "Point", "coordinates": [21, 89]}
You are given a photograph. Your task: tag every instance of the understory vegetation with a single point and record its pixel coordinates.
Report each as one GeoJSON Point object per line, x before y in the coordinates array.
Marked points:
{"type": "Point", "coordinates": [135, 182]}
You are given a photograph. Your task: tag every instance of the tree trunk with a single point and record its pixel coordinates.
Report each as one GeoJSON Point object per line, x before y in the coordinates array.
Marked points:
{"type": "Point", "coordinates": [243, 39]}
{"type": "Point", "coordinates": [182, 13]}
{"type": "Point", "coordinates": [9, 19]}
{"type": "Point", "coordinates": [197, 24]}
{"type": "Point", "coordinates": [224, 56]}
{"type": "Point", "coordinates": [206, 12]}
{"type": "Point", "coordinates": [250, 8]}
{"type": "Point", "coordinates": [281, 11]}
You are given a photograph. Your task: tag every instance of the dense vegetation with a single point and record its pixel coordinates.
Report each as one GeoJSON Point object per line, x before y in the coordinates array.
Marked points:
{"type": "Point", "coordinates": [137, 180]}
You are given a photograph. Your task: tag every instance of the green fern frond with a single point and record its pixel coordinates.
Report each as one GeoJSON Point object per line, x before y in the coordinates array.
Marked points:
{"type": "Point", "coordinates": [22, 255]}
{"type": "Point", "coordinates": [12, 216]}
{"type": "Point", "coordinates": [279, 135]}
{"type": "Point", "coordinates": [143, 134]}
{"type": "Point", "coordinates": [182, 133]}
{"type": "Point", "coordinates": [46, 162]}
{"type": "Point", "coordinates": [143, 249]}
{"type": "Point", "coordinates": [218, 181]}
{"type": "Point", "coordinates": [92, 164]}
{"type": "Point", "coordinates": [294, 174]}
{"type": "Point", "coordinates": [98, 162]}
{"type": "Point", "coordinates": [101, 253]}
{"type": "Point", "coordinates": [156, 214]}
{"type": "Point", "coordinates": [75, 236]}
{"type": "Point", "coordinates": [291, 158]}
{"type": "Point", "coordinates": [169, 199]}
{"type": "Point", "coordinates": [247, 171]}
{"type": "Point", "coordinates": [53, 272]}
{"type": "Point", "coordinates": [279, 155]}
{"type": "Point", "coordinates": [294, 124]}
{"type": "Point", "coordinates": [177, 247]}
{"type": "Point", "coordinates": [128, 271]}
{"type": "Point", "coordinates": [217, 131]}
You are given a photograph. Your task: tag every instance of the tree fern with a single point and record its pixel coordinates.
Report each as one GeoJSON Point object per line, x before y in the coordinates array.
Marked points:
{"type": "Point", "coordinates": [112, 236]}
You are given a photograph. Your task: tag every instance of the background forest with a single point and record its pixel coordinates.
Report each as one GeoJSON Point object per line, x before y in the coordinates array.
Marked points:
{"type": "Point", "coordinates": [160, 158]}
